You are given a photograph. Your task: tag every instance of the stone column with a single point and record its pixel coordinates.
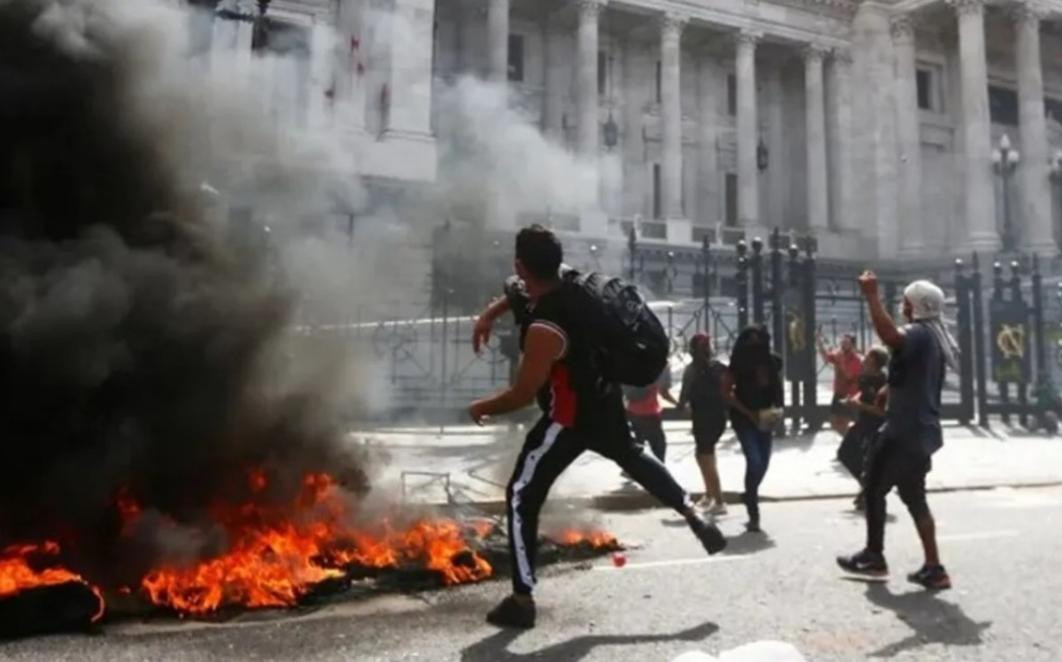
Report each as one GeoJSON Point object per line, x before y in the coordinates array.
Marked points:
{"type": "Point", "coordinates": [349, 57]}
{"type": "Point", "coordinates": [874, 189]}
{"type": "Point", "coordinates": [409, 74]}
{"type": "Point", "coordinates": [244, 39]}
{"type": "Point", "coordinates": [747, 126]}
{"type": "Point", "coordinates": [323, 71]}
{"type": "Point", "coordinates": [461, 16]}
{"type": "Point", "coordinates": [498, 41]}
{"type": "Point", "coordinates": [815, 119]}
{"type": "Point", "coordinates": [634, 97]}
{"type": "Point", "coordinates": [978, 195]}
{"type": "Point", "coordinates": [708, 173]}
{"type": "Point", "coordinates": [839, 140]}
{"type": "Point", "coordinates": [671, 114]}
{"type": "Point", "coordinates": [555, 62]}
{"type": "Point", "coordinates": [778, 178]}
{"type": "Point", "coordinates": [1033, 172]}
{"type": "Point", "coordinates": [586, 77]}
{"type": "Point", "coordinates": [909, 138]}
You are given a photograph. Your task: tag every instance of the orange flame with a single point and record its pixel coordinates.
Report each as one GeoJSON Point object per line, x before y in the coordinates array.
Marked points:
{"type": "Point", "coordinates": [16, 575]}
{"type": "Point", "coordinates": [277, 556]}
{"type": "Point", "coordinates": [592, 539]}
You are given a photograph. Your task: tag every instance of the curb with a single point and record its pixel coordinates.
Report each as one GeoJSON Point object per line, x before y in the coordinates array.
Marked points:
{"type": "Point", "coordinates": [644, 501]}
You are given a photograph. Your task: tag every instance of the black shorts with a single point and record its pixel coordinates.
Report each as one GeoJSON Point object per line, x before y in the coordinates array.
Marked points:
{"type": "Point", "coordinates": [891, 463]}
{"type": "Point", "coordinates": [706, 434]}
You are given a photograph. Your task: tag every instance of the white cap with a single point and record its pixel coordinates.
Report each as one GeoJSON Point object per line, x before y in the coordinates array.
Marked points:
{"type": "Point", "coordinates": [927, 300]}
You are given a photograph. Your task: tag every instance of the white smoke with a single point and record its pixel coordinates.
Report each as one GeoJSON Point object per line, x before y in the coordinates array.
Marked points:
{"type": "Point", "coordinates": [260, 130]}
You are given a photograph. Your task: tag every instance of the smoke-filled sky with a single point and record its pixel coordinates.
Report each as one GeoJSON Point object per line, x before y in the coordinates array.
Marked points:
{"type": "Point", "coordinates": [140, 350]}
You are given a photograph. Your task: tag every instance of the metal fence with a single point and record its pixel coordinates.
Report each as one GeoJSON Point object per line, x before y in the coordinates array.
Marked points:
{"type": "Point", "coordinates": [428, 366]}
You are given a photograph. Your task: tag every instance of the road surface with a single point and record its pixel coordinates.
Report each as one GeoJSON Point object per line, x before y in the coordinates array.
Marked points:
{"type": "Point", "coordinates": [1001, 547]}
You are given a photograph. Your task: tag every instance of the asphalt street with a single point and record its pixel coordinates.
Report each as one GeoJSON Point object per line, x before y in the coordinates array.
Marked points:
{"type": "Point", "coordinates": [1001, 547]}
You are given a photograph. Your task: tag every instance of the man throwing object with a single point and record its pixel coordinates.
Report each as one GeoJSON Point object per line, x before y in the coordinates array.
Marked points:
{"type": "Point", "coordinates": [581, 411]}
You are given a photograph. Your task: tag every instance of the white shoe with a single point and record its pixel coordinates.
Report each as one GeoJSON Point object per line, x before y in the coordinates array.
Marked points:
{"type": "Point", "coordinates": [717, 509]}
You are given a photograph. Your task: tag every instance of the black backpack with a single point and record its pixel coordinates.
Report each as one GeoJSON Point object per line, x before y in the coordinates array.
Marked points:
{"type": "Point", "coordinates": [630, 344]}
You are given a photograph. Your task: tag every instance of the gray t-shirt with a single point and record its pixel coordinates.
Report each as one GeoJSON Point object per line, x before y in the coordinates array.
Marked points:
{"type": "Point", "coordinates": [916, 375]}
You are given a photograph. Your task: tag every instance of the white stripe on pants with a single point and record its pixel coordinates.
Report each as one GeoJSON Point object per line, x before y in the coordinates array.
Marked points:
{"type": "Point", "coordinates": [523, 562]}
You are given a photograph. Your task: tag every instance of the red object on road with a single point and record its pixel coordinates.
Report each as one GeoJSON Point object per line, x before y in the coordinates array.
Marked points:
{"type": "Point", "coordinates": [619, 559]}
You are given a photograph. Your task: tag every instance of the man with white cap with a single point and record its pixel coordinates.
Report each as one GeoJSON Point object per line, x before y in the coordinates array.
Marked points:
{"type": "Point", "coordinates": [900, 456]}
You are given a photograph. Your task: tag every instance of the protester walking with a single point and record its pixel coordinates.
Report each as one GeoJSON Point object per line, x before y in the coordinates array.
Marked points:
{"type": "Point", "coordinates": [869, 405]}
{"type": "Point", "coordinates": [901, 454]}
{"type": "Point", "coordinates": [847, 365]}
{"type": "Point", "coordinates": [581, 410]}
{"type": "Point", "coordinates": [647, 416]}
{"type": "Point", "coordinates": [702, 392]}
{"type": "Point", "coordinates": [752, 387]}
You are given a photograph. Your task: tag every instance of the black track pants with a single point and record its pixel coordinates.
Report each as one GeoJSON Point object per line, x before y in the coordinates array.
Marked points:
{"type": "Point", "coordinates": [650, 430]}
{"type": "Point", "coordinates": [548, 450]}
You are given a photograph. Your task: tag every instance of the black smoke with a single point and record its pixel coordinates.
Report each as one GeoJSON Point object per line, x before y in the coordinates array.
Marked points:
{"type": "Point", "coordinates": [140, 351]}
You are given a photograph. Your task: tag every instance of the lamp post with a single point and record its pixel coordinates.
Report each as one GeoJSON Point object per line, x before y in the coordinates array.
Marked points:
{"type": "Point", "coordinates": [1005, 161]}
{"type": "Point", "coordinates": [671, 272]}
{"type": "Point", "coordinates": [1056, 173]}
{"type": "Point", "coordinates": [632, 248]}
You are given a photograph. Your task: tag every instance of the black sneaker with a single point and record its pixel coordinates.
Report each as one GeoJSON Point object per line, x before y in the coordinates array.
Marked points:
{"type": "Point", "coordinates": [709, 534]}
{"type": "Point", "coordinates": [933, 577]}
{"type": "Point", "coordinates": [865, 562]}
{"type": "Point", "coordinates": [513, 613]}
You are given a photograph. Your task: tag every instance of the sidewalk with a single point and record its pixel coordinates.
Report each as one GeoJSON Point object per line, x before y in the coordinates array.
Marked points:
{"type": "Point", "coordinates": [478, 461]}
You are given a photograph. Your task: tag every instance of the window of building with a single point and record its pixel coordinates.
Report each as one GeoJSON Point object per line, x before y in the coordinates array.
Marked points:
{"type": "Point", "coordinates": [602, 73]}
{"type": "Point", "coordinates": [201, 31]}
{"type": "Point", "coordinates": [929, 82]}
{"type": "Point", "coordinates": [924, 79]}
{"type": "Point", "coordinates": [731, 200]}
{"type": "Point", "coordinates": [280, 37]}
{"type": "Point", "coordinates": [658, 211]}
{"type": "Point", "coordinates": [516, 58]}
{"type": "Point", "coordinates": [1003, 105]}
{"type": "Point", "coordinates": [659, 82]}
{"type": "Point", "coordinates": [290, 43]}
{"type": "Point", "coordinates": [1053, 109]}
{"type": "Point", "coordinates": [731, 94]}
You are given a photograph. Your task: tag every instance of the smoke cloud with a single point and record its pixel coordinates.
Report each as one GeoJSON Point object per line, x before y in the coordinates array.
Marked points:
{"type": "Point", "coordinates": [143, 350]}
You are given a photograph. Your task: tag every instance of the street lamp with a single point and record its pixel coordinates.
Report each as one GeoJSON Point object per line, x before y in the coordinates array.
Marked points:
{"type": "Point", "coordinates": [611, 131]}
{"type": "Point", "coordinates": [1005, 161]}
{"type": "Point", "coordinates": [1055, 163]}
{"type": "Point", "coordinates": [594, 249]}
{"type": "Point", "coordinates": [1056, 168]}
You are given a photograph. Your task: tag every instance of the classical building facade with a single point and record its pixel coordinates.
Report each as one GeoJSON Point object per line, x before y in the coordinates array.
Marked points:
{"type": "Point", "coordinates": [880, 126]}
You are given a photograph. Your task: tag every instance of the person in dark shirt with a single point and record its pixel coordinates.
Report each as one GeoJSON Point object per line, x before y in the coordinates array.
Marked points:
{"type": "Point", "coordinates": [870, 415]}
{"type": "Point", "coordinates": [922, 349]}
{"type": "Point", "coordinates": [702, 392]}
{"type": "Point", "coordinates": [580, 411]}
{"type": "Point", "coordinates": [753, 388]}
